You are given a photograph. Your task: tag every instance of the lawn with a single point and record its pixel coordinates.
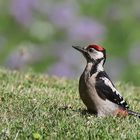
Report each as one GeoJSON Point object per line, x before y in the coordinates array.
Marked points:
{"type": "Point", "coordinates": [35, 106]}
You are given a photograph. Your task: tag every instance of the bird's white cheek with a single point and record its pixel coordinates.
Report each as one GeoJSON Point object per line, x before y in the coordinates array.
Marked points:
{"type": "Point", "coordinates": [97, 55]}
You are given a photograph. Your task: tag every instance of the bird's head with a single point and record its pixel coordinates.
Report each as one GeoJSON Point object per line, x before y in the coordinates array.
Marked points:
{"type": "Point", "coordinates": [93, 52]}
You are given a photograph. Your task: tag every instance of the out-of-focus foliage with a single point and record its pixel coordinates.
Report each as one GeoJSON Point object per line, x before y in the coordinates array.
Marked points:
{"type": "Point", "coordinates": [40, 34]}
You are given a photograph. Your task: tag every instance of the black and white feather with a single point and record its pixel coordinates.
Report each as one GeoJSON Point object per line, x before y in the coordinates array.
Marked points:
{"type": "Point", "coordinates": [96, 89]}
{"type": "Point", "coordinates": [106, 90]}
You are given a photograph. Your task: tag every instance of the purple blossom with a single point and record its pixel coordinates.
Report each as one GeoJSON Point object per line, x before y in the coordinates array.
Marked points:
{"type": "Point", "coordinates": [61, 69]}
{"type": "Point", "coordinates": [134, 56]}
{"type": "Point", "coordinates": [18, 60]}
{"type": "Point", "coordinates": [22, 10]}
{"type": "Point", "coordinates": [63, 14]}
{"type": "Point", "coordinates": [67, 60]}
{"type": "Point", "coordinates": [115, 66]}
{"type": "Point", "coordinates": [87, 29]}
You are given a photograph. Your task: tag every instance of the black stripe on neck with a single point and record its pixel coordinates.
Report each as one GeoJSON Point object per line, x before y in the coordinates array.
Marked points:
{"type": "Point", "coordinates": [95, 65]}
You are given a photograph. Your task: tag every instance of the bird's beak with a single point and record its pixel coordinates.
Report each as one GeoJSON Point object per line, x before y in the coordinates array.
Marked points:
{"type": "Point", "coordinates": [82, 50]}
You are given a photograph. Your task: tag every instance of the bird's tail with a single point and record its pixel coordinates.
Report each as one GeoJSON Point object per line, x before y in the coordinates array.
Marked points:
{"type": "Point", "coordinates": [130, 112]}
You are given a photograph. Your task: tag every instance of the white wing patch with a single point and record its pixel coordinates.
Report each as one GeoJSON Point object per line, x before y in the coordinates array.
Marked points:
{"type": "Point", "coordinates": [109, 84]}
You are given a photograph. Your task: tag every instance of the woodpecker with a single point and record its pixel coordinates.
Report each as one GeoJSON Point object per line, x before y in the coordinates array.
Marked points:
{"type": "Point", "coordinates": [96, 89]}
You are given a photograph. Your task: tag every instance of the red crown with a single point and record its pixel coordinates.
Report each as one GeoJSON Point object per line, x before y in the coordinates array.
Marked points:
{"type": "Point", "coordinates": [97, 47]}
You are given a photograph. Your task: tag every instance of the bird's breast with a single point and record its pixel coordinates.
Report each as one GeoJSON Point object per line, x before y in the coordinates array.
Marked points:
{"type": "Point", "coordinates": [91, 99]}
{"type": "Point", "coordinates": [87, 92]}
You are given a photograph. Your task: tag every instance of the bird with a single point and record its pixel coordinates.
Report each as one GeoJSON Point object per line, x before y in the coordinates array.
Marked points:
{"type": "Point", "coordinates": [96, 89]}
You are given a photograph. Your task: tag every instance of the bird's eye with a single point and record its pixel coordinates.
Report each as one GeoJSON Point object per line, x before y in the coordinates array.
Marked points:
{"type": "Point", "coordinates": [90, 50]}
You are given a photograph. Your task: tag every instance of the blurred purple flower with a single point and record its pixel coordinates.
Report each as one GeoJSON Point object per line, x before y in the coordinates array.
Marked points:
{"type": "Point", "coordinates": [134, 53]}
{"type": "Point", "coordinates": [26, 55]}
{"type": "Point", "coordinates": [22, 10]}
{"type": "Point", "coordinates": [114, 12]}
{"type": "Point", "coordinates": [115, 66]}
{"type": "Point", "coordinates": [18, 60]}
{"type": "Point", "coordinates": [87, 29]}
{"type": "Point", "coordinates": [61, 69]}
{"type": "Point", "coordinates": [67, 60]}
{"type": "Point", "coordinates": [63, 14]}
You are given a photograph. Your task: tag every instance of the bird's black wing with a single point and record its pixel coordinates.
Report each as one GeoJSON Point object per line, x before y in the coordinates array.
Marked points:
{"type": "Point", "coordinates": [106, 90]}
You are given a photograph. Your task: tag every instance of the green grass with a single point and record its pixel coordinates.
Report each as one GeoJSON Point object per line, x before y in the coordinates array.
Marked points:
{"type": "Point", "coordinates": [39, 107]}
